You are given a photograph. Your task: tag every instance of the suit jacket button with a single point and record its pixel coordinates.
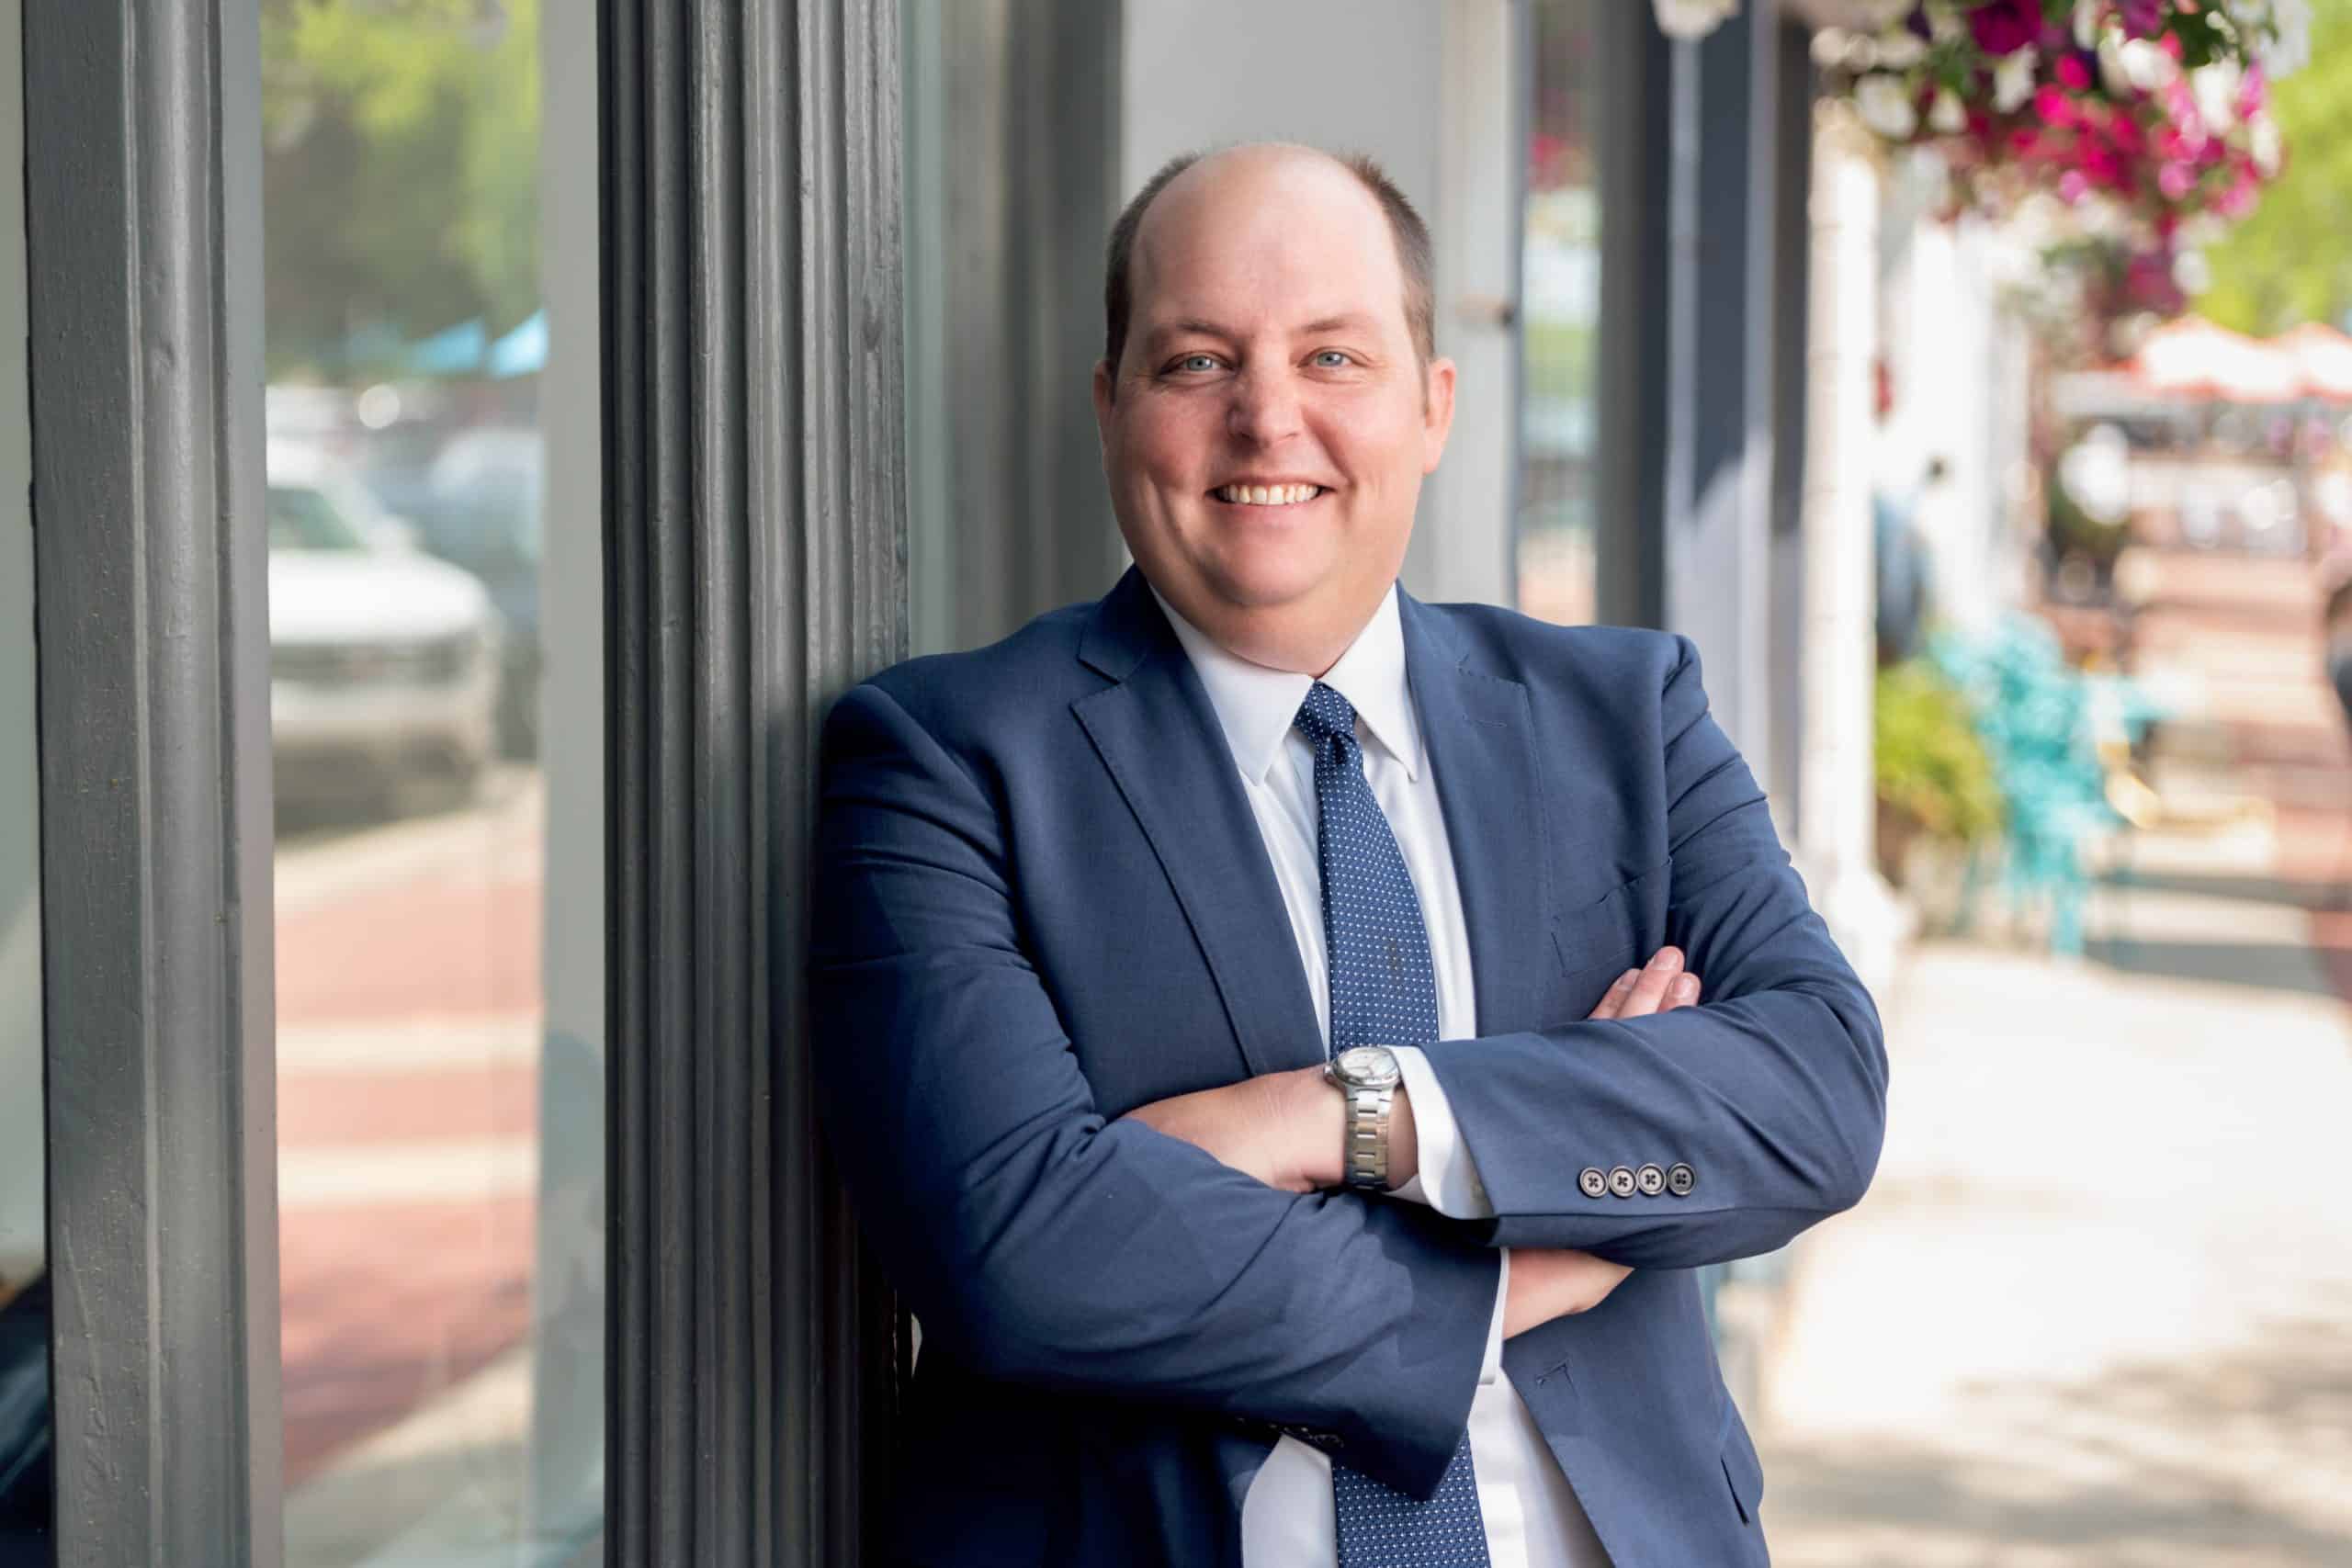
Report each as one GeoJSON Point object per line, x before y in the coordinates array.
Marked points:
{"type": "Point", "coordinates": [1621, 1182]}
{"type": "Point", "coordinates": [1650, 1179]}
{"type": "Point", "coordinates": [1680, 1179]}
{"type": "Point", "coordinates": [1592, 1183]}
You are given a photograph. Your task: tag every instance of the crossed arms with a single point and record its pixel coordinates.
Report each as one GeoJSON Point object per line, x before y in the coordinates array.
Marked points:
{"type": "Point", "coordinates": [1041, 1241]}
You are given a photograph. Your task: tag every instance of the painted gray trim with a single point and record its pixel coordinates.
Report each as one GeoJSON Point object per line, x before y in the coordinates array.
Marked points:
{"type": "Point", "coordinates": [1630, 452]}
{"type": "Point", "coordinates": [1721, 186]}
{"type": "Point", "coordinates": [755, 535]}
{"type": "Point", "coordinates": [142, 170]}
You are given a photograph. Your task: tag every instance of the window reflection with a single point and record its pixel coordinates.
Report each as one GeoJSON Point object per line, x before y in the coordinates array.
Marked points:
{"type": "Point", "coordinates": [1560, 311]}
{"type": "Point", "coordinates": [24, 1431]}
{"type": "Point", "coordinates": [436, 724]}
{"type": "Point", "coordinates": [24, 1441]}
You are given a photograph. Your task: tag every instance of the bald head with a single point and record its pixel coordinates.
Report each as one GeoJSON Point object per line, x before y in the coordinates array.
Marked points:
{"type": "Point", "coordinates": [1192, 184]}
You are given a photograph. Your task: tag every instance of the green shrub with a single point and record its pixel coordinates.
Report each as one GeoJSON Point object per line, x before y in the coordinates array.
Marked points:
{"type": "Point", "coordinates": [1930, 764]}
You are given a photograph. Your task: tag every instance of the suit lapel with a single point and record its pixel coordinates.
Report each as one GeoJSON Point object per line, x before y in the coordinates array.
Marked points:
{"type": "Point", "coordinates": [1158, 736]}
{"type": "Point", "coordinates": [1480, 731]}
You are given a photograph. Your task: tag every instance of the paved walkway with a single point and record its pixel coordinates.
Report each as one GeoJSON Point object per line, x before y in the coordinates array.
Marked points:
{"type": "Point", "coordinates": [2096, 1310]}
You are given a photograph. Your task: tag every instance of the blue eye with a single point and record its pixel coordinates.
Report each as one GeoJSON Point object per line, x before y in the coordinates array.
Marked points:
{"type": "Point", "coordinates": [1197, 362]}
{"type": "Point", "coordinates": [1332, 359]}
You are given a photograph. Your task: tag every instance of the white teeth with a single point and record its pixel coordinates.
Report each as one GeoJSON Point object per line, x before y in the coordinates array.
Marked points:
{"type": "Point", "coordinates": [1268, 495]}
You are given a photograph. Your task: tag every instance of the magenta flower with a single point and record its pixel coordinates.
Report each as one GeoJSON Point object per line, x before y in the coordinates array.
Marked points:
{"type": "Point", "coordinates": [2142, 17]}
{"type": "Point", "coordinates": [2075, 71]}
{"type": "Point", "coordinates": [2004, 27]}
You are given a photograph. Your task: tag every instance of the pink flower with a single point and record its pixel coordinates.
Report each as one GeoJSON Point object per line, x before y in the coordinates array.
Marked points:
{"type": "Point", "coordinates": [2004, 27]}
{"type": "Point", "coordinates": [2050, 107]}
{"type": "Point", "coordinates": [2238, 200]}
{"type": "Point", "coordinates": [2072, 186]}
{"type": "Point", "coordinates": [2252, 91]}
{"type": "Point", "coordinates": [2175, 180]}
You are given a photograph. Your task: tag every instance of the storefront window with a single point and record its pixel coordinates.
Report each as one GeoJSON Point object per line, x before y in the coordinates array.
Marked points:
{"type": "Point", "coordinates": [436, 718]}
{"type": "Point", "coordinates": [1560, 316]}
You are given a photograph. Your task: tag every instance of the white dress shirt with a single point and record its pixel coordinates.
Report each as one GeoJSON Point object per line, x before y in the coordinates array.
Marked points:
{"type": "Point", "coordinates": [1533, 1518]}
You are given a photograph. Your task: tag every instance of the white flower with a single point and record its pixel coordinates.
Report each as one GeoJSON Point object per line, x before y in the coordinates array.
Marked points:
{"type": "Point", "coordinates": [2013, 79]}
{"type": "Point", "coordinates": [1900, 49]}
{"type": "Point", "coordinates": [2292, 48]}
{"type": "Point", "coordinates": [2267, 148]}
{"type": "Point", "coordinates": [2216, 90]}
{"type": "Point", "coordinates": [1692, 18]}
{"type": "Point", "coordinates": [2141, 64]}
{"type": "Point", "coordinates": [1946, 115]}
{"type": "Point", "coordinates": [2086, 20]}
{"type": "Point", "coordinates": [1884, 104]}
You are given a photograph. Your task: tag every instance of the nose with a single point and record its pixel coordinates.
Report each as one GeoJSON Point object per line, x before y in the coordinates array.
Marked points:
{"type": "Point", "coordinates": [1265, 408]}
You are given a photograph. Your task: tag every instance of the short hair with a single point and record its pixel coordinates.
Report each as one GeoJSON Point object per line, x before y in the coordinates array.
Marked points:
{"type": "Point", "coordinates": [1411, 235]}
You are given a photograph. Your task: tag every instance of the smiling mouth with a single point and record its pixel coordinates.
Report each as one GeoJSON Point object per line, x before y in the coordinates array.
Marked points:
{"type": "Point", "coordinates": [1268, 495]}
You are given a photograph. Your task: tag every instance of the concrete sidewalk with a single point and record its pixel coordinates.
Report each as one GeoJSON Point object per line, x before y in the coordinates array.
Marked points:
{"type": "Point", "coordinates": [2096, 1310]}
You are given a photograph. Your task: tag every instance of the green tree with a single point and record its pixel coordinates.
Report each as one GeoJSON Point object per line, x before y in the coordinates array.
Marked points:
{"type": "Point", "coordinates": [400, 174]}
{"type": "Point", "coordinates": [2290, 260]}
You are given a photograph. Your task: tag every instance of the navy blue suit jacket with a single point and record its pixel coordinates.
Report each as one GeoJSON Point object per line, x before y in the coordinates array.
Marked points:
{"type": "Point", "coordinates": [1042, 901]}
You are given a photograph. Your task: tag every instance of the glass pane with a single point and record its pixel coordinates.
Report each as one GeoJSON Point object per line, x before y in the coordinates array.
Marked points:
{"type": "Point", "coordinates": [25, 1443]}
{"type": "Point", "coordinates": [437, 717]}
{"type": "Point", "coordinates": [1560, 316]}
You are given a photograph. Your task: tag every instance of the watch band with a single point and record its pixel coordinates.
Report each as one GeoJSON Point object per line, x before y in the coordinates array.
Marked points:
{"type": "Point", "coordinates": [1367, 1144]}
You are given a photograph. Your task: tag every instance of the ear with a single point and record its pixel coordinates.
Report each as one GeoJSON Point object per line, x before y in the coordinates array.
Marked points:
{"type": "Point", "coordinates": [1437, 411]}
{"type": "Point", "coordinates": [1107, 390]}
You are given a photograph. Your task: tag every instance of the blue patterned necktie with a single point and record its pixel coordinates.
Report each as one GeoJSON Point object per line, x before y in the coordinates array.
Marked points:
{"type": "Point", "coordinates": [1384, 992]}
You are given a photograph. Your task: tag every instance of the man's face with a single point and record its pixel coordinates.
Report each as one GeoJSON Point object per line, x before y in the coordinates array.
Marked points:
{"type": "Point", "coordinates": [1266, 432]}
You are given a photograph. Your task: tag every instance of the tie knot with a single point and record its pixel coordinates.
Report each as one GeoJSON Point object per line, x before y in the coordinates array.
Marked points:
{"type": "Point", "coordinates": [1326, 716]}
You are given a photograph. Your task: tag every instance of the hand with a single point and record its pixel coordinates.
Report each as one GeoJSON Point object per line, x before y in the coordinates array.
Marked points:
{"type": "Point", "coordinates": [1661, 986]}
{"type": "Point", "coordinates": [1271, 1127]}
{"type": "Point", "coordinates": [1548, 1283]}
{"type": "Point", "coordinates": [1288, 1129]}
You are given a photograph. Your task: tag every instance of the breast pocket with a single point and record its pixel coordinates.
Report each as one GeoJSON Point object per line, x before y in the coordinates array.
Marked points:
{"type": "Point", "coordinates": [1611, 934]}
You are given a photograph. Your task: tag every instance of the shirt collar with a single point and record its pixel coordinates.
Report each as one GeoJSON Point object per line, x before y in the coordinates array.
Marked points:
{"type": "Point", "coordinates": [1256, 705]}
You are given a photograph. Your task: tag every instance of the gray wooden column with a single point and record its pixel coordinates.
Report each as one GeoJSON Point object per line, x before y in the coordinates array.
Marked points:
{"type": "Point", "coordinates": [143, 294]}
{"type": "Point", "coordinates": [756, 564]}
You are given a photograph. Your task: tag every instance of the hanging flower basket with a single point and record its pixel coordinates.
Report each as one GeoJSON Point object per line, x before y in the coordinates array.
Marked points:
{"type": "Point", "coordinates": [2140, 116]}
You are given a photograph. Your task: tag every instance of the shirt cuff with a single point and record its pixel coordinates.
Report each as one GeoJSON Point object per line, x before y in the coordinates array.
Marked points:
{"type": "Point", "coordinates": [1492, 1368]}
{"type": "Point", "coordinates": [1448, 1180]}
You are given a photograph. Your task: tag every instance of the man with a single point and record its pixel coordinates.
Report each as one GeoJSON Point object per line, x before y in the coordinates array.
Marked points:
{"type": "Point", "coordinates": [1222, 1001]}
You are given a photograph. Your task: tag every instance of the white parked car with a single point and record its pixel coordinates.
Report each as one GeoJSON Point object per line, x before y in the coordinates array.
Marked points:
{"type": "Point", "coordinates": [384, 662]}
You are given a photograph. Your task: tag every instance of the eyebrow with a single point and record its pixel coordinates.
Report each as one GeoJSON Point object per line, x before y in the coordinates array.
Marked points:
{"type": "Point", "coordinates": [1193, 326]}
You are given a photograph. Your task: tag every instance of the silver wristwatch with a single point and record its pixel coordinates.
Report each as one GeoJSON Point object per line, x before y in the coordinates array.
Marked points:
{"type": "Point", "coordinates": [1367, 1075]}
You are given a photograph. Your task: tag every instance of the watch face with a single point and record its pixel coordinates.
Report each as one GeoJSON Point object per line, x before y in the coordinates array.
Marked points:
{"type": "Point", "coordinates": [1367, 1067]}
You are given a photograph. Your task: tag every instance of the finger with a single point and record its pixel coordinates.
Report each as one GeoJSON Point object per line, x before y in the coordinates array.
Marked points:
{"type": "Point", "coordinates": [1682, 993]}
{"type": "Point", "coordinates": [1614, 998]}
{"type": "Point", "coordinates": [1649, 988]}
